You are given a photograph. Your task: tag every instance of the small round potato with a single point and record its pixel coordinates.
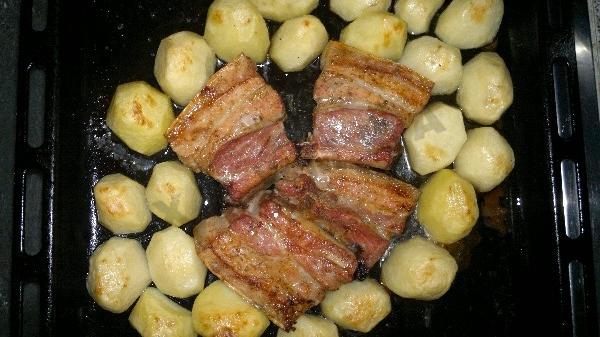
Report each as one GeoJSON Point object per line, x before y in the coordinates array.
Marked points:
{"type": "Point", "coordinates": [352, 9]}
{"type": "Point", "coordinates": [118, 274]}
{"type": "Point", "coordinates": [447, 207]}
{"type": "Point", "coordinates": [359, 305]}
{"type": "Point", "coordinates": [234, 27]}
{"type": "Point", "coordinates": [439, 62]}
{"type": "Point", "coordinates": [121, 204]}
{"type": "Point", "coordinates": [281, 10]}
{"type": "Point", "coordinates": [220, 311]}
{"type": "Point", "coordinates": [468, 24]}
{"type": "Point", "coordinates": [311, 326]}
{"type": "Point", "coordinates": [182, 65]}
{"type": "Point", "coordinates": [434, 138]}
{"type": "Point", "coordinates": [140, 115]}
{"type": "Point", "coordinates": [173, 193]}
{"type": "Point", "coordinates": [174, 266]}
{"type": "Point", "coordinates": [417, 13]}
{"type": "Point", "coordinates": [155, 315]}
{"type": "Point", "coordinates": [486, 159]}
{"type": "Point", "coordinates": [419, 269]}
{"type": "Point", "coordinates": [379, 33]}
{"type": "Point", "coordinates": [298, 42]}
{"type": "Point", "coordinates": [486, 89]}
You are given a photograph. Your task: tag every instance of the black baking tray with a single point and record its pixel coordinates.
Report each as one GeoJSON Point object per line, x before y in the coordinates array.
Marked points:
{"type": "Point", "coordinates": [520, 273]}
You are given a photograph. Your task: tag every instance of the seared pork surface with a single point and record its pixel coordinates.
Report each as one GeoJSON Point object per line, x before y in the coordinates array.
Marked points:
{"type": "Point", "coordinates": [360, 207]}
{"type": "Point", "coordinates": [282, 264]}
{"type": "Point", "coordinates": [363, 104]}
{"type": "Point", "coordinates": [232, 130]}
{"type": "Point", "coordinates": [246, 163]}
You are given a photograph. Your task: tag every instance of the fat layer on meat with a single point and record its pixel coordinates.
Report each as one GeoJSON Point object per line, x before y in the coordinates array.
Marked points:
{"type": "Point", "coordinates": [235, 101]}
{"type": "Point", "coordinates": [281, 263]}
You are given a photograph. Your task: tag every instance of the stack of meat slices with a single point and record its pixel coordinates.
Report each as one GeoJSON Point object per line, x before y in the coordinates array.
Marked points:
{"type": "Point", "coordinates": [363, 105]}
{"type": "Point", "coordinates": [233, 130]}
{"type": "Point", "coordinates": [325, 222]}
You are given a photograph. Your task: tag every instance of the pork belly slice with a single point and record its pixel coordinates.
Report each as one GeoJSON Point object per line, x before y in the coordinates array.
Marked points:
{"type": "Point", "coordinates": [247, 163]}
{"type": "Point", "coordinates": [324, 208]}
{"type": "Point", "coordinates": [235, 101]}
{"type": "Point", "coordinates": [246, 253]}
{"type": "Point", "coordinates": [367, 137]}
{"type": "Point", "coordinates": [281, 263]}
{"type": "Point", "coordinates": [353, 77]}
{"type": "Point", "coordinates": [323, 257]}
{"type": "Point", "coordinates": [379, 199]}
{"type": "Point", "coordinates": [360, 207]}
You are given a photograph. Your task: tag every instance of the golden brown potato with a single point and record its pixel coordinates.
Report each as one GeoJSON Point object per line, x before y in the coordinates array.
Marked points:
{"type": "Point", "coordinates": [352, 9]}
{"type": "Point", "coordinates": [281, 10]}
{"type": "Point", "coordinates": [447, 207]}
{"type": "Point", "coordinates": [486, 88]}
{"type": "Point", "coordinates": [298, 42]}
{"type": "Point", "coordinates": [173, 193]}
{"type": "Point", "coordinates": [358, 305]}
{"type": "Point", "coordinates": [418, 269]}
{"type": "Point", "coordinates": [311, 326]}
{"type": "Point", "coordinates": [139, 115]}
{"type": "Point", "coordinates": [234, 27]}
{"type": "Point", "coordinates": [379, 33]}
{"type": "Point", "coordinates": [417, 13]}
{"type": "Point", "coordinates": [183, 63]}
{"type": "Point", "coordinates": [118, 274]}
{"type": "Point", "coordinates": [434, 138]}
{"type": "Point", "coordinates": [174, 266]}
{"type": "Point", "coordinates": [439, 62]}
{"type": "Point", "coordinates": [220, 311]}
{"type": "Point", "coordinates": [121, 204]}
{"type": "Point", "coordinates": [155, 315]}
{"type": "Point", "coordinates": [470, 24]}
{"type": "Point", "coordinates": [486, 159]}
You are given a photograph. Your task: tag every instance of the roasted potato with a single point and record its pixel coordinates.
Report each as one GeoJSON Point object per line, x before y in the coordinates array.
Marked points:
{"type": "Point", "coordinates": [298, 42]}
{"type": "Point", "coordinates": [173, 193]}
{"type": "Point", "coordinates": [311, 326]}
{"type": "Point", "coordinates": [155, 315]}
{"type": "Point", "coordinates": [439, 62]}
{"type": "Point", "coordinates": [468, 24]}
{"type": "Point", "coordinates": [358, 305]}
{"type": "Point", "coordinates": [234, 27]}
{"type": "Point", "coordinates": [486, 89]}
{"type": "Point", "coordinates": [139, 115]}
{"type": "Point", "coordinates": [281, 10]}
{"type": "Point", "coordinates": [220, 311]}
{"type": "Point", "coordinates": [379, 33]}
{"type": "Point", "coordinates": [183, 63]}
{"type": "Point", "coordinates": [486, 159]}
{"type": "Point", "coordinates": [121, 204]}
{"type": "Point", "coordinates": [434, 138]}
{"type": "Point", "coordinates": [418, 269]}
{"type": "Point", "coordinates": [417, 13]}
{"type": "Point", "coordinates": [174, 266]}
{"type": "Point", "coordinates": [447, 207]}
{"type": "Point", "coordinates": [352, 9]}
{"type": "Point", "coordinates": [118, 274]}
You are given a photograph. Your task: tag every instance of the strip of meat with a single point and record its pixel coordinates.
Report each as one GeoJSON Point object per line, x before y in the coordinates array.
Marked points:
{"type": "Point", "coordinates": [235, 101]}
{"type": "Point", "coordinates": [324, 208]}
{"type": "Point", "coordinates": [378, 198]}
{"type": "Point", "coordinates": [350, 76]}
{"type": "Point", "coordinates": [368, 137]}
{"type": "Point", "coordinates": [245, 164]}
{"type": "Point", "coordinates": [247, 254]}
{"type": "Point", "coordinates": [327, 261]}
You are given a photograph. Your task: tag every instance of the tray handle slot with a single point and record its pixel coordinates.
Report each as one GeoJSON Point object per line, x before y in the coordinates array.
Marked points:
{"type": "Point", "coordinates": [562, 98]}
{"type": "Point", "coordinates": [36, 107]}
{"type": "Point", "coordinates": [39, 15]}
{"type": "Point", "coordinates": [570, 198]}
